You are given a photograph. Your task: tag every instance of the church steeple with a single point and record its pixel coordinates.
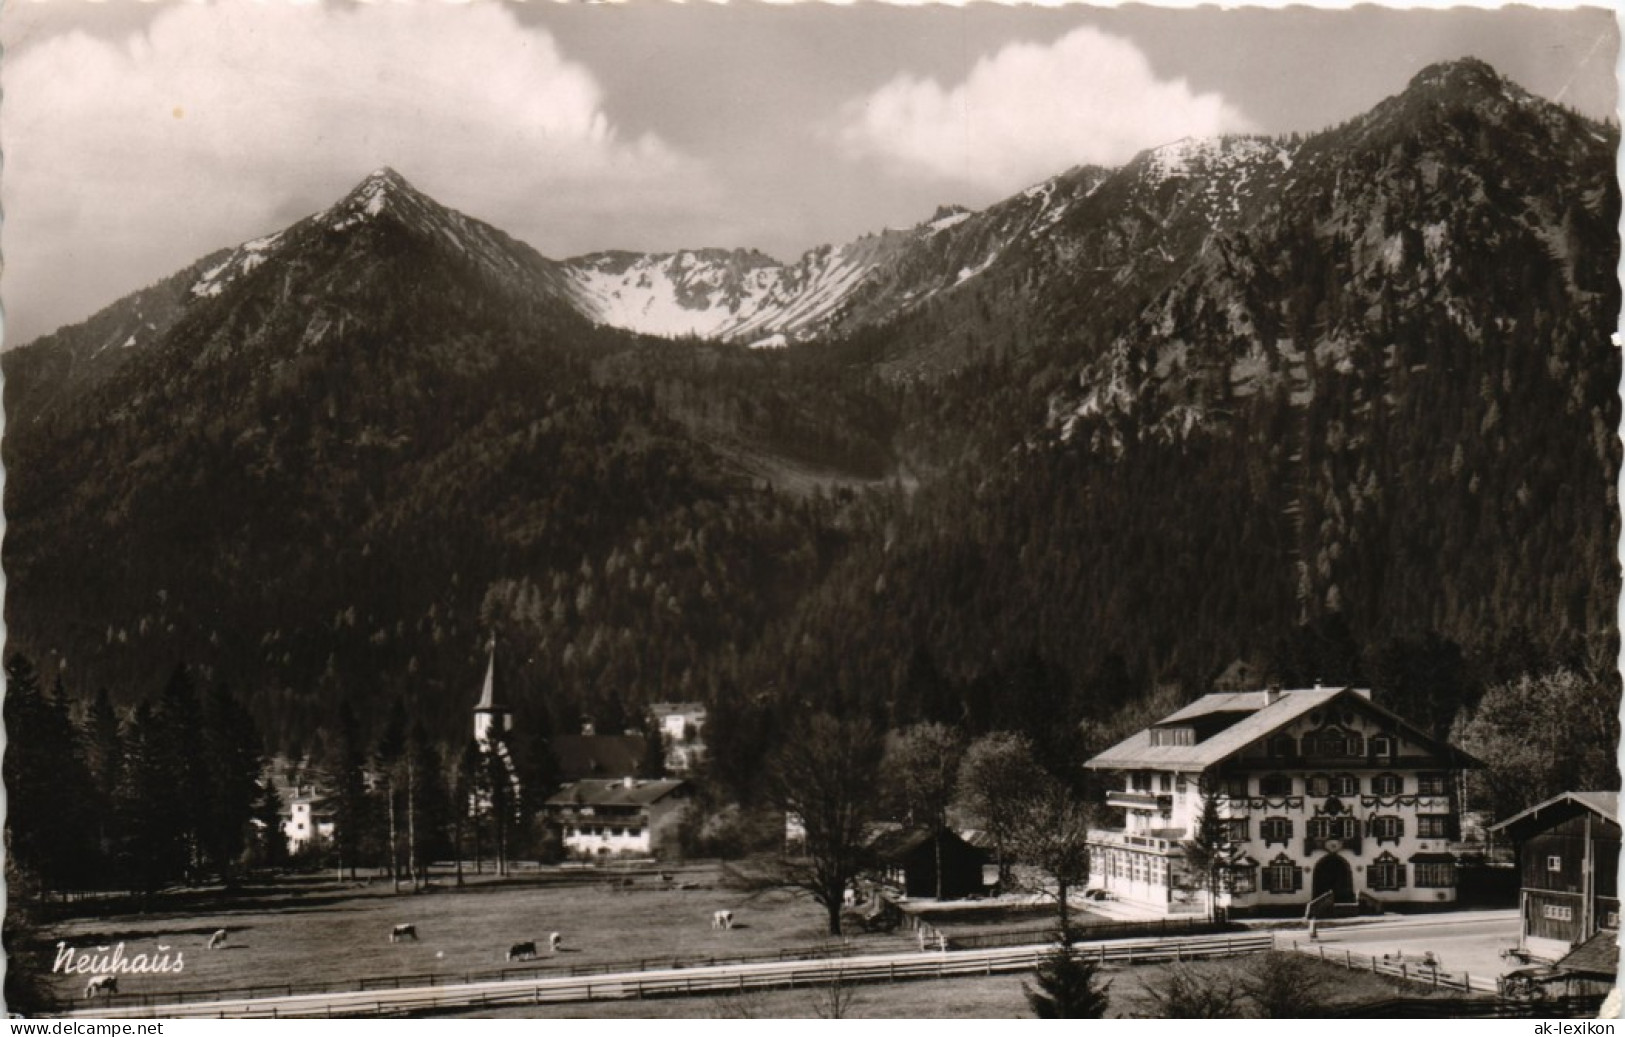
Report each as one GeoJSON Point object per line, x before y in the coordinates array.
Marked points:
{"type": "Point", "coordinates": [488, 712]}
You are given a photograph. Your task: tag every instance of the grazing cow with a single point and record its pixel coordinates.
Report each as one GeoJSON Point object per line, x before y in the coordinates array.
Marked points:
{"type": "Point", "coordinates": [101, 985]}
{"type": "Point", "coordinates": [218, 939]}
{"type": "Point", "coordinates": [722, 919]}
{"type": "Point", "coordinates": [522, 951]}
{"type": "Point", "coordinates": [554, 941]}
{"type": "Point", "coordinates": [401, 932]}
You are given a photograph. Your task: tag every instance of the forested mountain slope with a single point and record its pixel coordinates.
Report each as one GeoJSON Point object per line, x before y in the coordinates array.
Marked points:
{"type": "Point", "coordinates": [1343, 404]}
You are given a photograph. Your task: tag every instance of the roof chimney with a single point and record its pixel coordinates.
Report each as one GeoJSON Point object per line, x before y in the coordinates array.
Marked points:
{"type": "Point", "coordinates": [627, 782]}
{"type": "Point", "coordinates": [1272, 694]}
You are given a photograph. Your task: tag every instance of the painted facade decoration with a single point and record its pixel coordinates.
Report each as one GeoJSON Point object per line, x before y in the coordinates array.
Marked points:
{"type": "Point", "coordinates": [1322, 796]}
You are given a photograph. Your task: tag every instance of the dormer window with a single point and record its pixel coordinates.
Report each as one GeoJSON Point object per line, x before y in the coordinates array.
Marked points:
{"type": "Point", "coordinates": [1382, 745]}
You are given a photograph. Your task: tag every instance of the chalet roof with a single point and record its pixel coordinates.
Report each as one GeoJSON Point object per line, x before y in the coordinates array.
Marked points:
{"type": "Point", "coordinates": [1560, 807]}
{"type": "Point", "coordinates": [614, 793]}
{"type": "Point", "coordinates": [1137, 751]}
{"type": "Point", "coordinates": [1263, 718]}
{"type": "Point", "coordinates": [666, 709]}
{"type": "Point", "coordinates": [1220, 702]}
{"type": "Point", "coordinates": [896, 843]}
{"type": "Point", "coordinates": [1598, 956]}
{"type": "Point", "coordinates": [596, 756]}
{"type": "Point", "coordinates": [488, 694]}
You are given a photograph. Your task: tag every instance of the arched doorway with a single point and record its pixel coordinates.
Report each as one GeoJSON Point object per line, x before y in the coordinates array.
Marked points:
{"type": "Point", "coordinates": [1333, 875]}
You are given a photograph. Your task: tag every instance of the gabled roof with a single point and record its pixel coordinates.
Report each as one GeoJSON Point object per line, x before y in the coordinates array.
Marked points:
{"type": "Point", "coordinates": [897, 843]}
{"type": "Point", "coordinates": [1562, 806]}
{"type": "Point", "coordinates": [665, 709]}
{"type": "Point", "coordinates": [1598, 956]}
{"type": "Point", "coordinates": [614, 793]}
{"type": "Point", "coordinates": [1220, 702]}
{"type": "Point", "coordinates": [1261, 718]}
{"type": "Point", "coordinates": [596, 756]}
{"type": "Point", "coordinates": [1136, 750]}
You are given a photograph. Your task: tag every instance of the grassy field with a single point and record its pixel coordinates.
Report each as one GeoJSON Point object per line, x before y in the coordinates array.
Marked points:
{"type": "Point", "coordinates": [303, 931]}
{"type": "Point", "coordinates": [320, 931]}
{"type": "Point", "coordinates": [993, 997]}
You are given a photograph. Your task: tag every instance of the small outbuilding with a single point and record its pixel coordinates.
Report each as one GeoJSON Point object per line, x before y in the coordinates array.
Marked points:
{"type": "Point", "coordinates": [1568, 855]}
{"type": "Point", "coordinates": [909, 856]}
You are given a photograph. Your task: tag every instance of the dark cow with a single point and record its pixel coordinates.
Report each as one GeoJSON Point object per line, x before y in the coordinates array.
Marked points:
{"type": "Point", "coordinates": [402, 932]}
{"type": "Point", "coordinates": [101, 985]}
{"type": "Point", "coordinates": [522, 951]}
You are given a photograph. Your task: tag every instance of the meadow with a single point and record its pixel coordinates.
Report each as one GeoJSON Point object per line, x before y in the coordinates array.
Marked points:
{"type": "Point", "coordinates": [302, 931]}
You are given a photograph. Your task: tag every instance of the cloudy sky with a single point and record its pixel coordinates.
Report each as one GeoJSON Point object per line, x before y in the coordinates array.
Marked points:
{"type": "Point", "coordinates": [139, 136]}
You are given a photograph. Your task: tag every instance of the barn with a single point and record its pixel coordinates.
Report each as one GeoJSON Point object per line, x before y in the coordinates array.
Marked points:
{"type": "Point", "coordinates": [908, 857]}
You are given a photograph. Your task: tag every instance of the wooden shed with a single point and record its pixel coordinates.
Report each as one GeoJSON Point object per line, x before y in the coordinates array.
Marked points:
{"type": "Point", "coordinates": [909, 857]}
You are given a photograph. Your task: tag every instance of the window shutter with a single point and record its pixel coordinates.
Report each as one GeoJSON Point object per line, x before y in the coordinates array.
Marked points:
{"type": "Point", "coordinates": [1297, 879]}
{"type": "Point", "coordinates": [1399, 871]}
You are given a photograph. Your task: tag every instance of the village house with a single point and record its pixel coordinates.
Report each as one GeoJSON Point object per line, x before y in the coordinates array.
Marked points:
{"type": "Point", "coordinates": [625, 816]}
{"type": "Point", "coordinates": [1568, 859]}
{"type": "Point", "coordinates": [591, 756]}
{"type": "Point", "coordinates": [682, 730]}
{"type": "Point", "coordinates": [306, 820]}
{"type": "Point", "coordinates": [1322, 796]}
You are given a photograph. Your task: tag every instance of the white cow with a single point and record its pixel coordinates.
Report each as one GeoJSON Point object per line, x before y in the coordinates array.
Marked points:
{"type": "Point", "coordinates": [218, 939]}
{"type": "Point", "coordinates": [406, 930]}
{"type": "Point", "coordinates": [554, 941]}
{"type": "Point", "coordinates": [723, 919]}
{"type": "Point", "coordinates": [101, 985]}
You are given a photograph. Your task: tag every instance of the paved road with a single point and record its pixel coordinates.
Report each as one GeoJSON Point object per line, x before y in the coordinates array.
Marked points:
{"type": "Point", "coordinates": [1467, 942]}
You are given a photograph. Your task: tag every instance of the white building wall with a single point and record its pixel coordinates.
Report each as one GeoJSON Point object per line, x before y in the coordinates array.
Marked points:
{"type": "Point", "coordinates": [1127, 863]}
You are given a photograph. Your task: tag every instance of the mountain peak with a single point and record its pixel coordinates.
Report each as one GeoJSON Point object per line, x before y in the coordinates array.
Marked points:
{"type": "Point", "coordinates": [1464, 80]}
{"type": "Point", "coordinates": [376, 192]}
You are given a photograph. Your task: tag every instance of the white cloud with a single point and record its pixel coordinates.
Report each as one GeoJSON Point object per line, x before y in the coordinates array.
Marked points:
{"type": "Point", "coordinates": [1031, 111]}
{"type": "Point", "coordinates": [125, 160]}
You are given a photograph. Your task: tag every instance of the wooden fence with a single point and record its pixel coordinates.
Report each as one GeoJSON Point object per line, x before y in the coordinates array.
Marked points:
{"type": "Point", "coordinates": [1473, 1008]}
{"type": "Point", "coordinates": [1400, 968]}
{"type": "Point", "coordinates": [716, 980]}
{"type": "Point", "coordinates": [1120, 930]}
